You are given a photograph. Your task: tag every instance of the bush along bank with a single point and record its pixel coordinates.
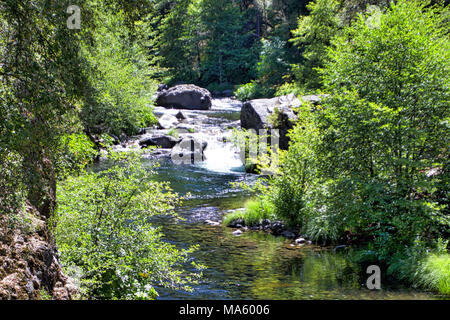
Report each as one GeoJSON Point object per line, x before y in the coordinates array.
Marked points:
{"type": "Point", "coordinates": [370, 164]}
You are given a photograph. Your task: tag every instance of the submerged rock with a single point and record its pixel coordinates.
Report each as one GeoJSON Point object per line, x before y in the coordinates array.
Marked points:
{"type": "Point", "coordinates": [238, 223]}
{"type": "Point", "coordinates": [212, 223]}
{"type": "Point", "coordinates": [237, 232]}
{"type": "Point", "coordinates": [185, 96]}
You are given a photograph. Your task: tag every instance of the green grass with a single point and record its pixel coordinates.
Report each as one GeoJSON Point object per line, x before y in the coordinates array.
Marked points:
{"type": "Point", "coordinates": [255, 211]}
{"type": "Point", "coordinates": [174, 133]}
{"type": "Point", "coordinates": [434, 273]}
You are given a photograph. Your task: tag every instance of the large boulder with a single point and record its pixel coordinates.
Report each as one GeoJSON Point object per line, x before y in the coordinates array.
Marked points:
{"type": "Point", "coordinates": [188, 151]}
{"type": "Point", "coordinates": [185, 96]}
{"type": "Point", "coordinates": [276, 113]}
{"type": "Point", "coordinates": [163, 141]}
{"type": "Point", "coordinates": [255, 114]}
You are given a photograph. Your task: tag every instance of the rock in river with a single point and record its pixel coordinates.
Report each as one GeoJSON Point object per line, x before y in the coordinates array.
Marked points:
{"type": "Point", "coordinates": [212, 223]}
{"type": "Point", "coordinates": [167, 121]}
{"type": "Point", "coordinates": [185, 96]}
{"type": "Point", "coordinates": [237, 232]}
{"type": "Point", "coordinates": [163, 141]}
{"type": "Point", "coordinates": [288, 234]}
{"type": "Point", "coordinates": [276, 113]}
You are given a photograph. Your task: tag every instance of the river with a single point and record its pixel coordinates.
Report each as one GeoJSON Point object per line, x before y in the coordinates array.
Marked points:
{"type": "Point", "coordinates": [254, 265]}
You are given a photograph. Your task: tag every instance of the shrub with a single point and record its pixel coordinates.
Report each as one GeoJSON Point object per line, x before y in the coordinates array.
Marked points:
{"type": "Point", "coordinates": [288, 88]}
{"type": "Point", "coordinates": [121, 94]}
{"type": "Point", "coordinates": [255, 212]}
{"type": "Point", "coordinates": [76, 151]}
{"type": "Point", "coordinates": [248, 91]}
{"type": "Point", "coordinates": [434, 273]}
{"type": "Point", "coordinates": [104, 232]}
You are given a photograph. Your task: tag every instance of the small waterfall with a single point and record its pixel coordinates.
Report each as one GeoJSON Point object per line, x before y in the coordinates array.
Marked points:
{"type": "Point", "coordinates": [221, 154]}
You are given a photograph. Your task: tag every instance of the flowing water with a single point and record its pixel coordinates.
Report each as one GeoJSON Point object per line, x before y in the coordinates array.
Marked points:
{"type": "Point", "coordinates": [254, 265]}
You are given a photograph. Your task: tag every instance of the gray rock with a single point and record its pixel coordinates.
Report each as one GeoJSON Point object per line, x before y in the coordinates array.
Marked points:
{"type": "Point", "coordinates": [300, 240]}
{"type": "Point", "coordinates": [167, 121]}
{"type": "Point", "coordinates": [255, 114]}
{"type": "Point", "coordinates": [238, 223]}
{"type": "Point", "coordinates": [288, 234]}
{"type": "Point", "coordinates": [163, 141]}
{"type": "Point", "coordinates": [277, 227]}
{"type": "Point", "coordinates": [276, 113]}
{"type": "Point", "coordinates": [162, 87]}
{"type": "Point", "coordinates": [237, 232]}
{"type": "Point", "coordinates": [212, 223]}
{"type": "Point", "coordinates": [181, 116]}
{"type": "Point", "coordinates": [186, 96]}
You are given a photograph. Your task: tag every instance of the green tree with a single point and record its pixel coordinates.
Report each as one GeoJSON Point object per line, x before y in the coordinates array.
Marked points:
{"type": "Point", "coordinates": [105, 236]}
{"type": "Point", "coordinates": [387, 125]}
{"type": "Point", "coordinates": [313, 35]}
{"type": "Point", "coordinates": [41, 84]}
{"type": "Point", "coordinates": [177, 51]}
{"type": "Point", "coordinates": [377, 163]}
{"type": "Point", "coordinates": [121, 91]}
{"type": "Point", "coordinates": [226, 57]}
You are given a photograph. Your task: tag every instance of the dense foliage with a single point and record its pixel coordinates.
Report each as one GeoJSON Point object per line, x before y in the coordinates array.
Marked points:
{"type": "Point", "coordinates": [371, 162]}
{"type": "Point", "coordinates": [121, 90]}
{"type": "Point", "coordinates": [61, 89]}
{"type": "Point", "coordinates": [368, 165]}
{"type": "Point", "coordinates": [104, 235]}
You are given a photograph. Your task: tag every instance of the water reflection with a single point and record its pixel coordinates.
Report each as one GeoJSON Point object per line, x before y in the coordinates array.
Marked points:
{"type": "Point", "coordinates": [260, 266]}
